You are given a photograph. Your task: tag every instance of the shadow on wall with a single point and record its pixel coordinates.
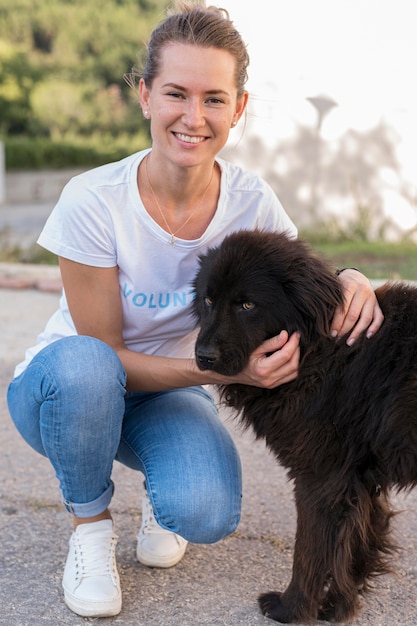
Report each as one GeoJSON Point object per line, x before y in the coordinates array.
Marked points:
{"type": "Point", "coordinates": [318, 180]}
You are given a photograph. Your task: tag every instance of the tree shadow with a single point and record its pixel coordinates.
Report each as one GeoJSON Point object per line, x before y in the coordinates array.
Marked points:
{"type": "Point", "coordinates": [317, 180]}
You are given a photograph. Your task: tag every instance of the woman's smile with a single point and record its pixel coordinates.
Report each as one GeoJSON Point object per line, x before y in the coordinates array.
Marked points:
{"type": "Point", "coordinates": [189, 138]}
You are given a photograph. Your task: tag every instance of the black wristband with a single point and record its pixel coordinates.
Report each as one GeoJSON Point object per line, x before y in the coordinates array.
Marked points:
{"type": "Point", "coordinates": [346, 268]}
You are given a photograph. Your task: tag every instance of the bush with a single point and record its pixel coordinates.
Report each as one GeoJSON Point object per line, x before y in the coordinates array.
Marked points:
{"type": "Point", "coordinates": [30, 153]}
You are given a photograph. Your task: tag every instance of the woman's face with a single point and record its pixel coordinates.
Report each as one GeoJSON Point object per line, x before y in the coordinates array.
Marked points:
{"type": "Point", "coordinates": [192, 103]}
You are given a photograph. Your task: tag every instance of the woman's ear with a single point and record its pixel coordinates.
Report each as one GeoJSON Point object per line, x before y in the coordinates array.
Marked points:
{"type": "Point", "coordinates": [144, 94]}
{"type": "Point", "coordinates": [241, 106]}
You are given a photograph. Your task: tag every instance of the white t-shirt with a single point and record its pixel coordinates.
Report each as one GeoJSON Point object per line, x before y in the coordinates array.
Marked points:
{"type": "Point", "coordinates": [100, 220]}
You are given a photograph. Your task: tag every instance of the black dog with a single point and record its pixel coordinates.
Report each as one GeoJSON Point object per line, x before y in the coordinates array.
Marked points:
{"type": "Point", "coordinates": [346, 428]}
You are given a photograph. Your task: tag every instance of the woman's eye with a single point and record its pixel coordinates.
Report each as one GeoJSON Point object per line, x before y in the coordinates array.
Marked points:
{"type": "Point", "coordinates": [247, 306]}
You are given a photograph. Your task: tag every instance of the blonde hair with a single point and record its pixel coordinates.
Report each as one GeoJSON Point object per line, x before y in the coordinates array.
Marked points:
{"type": "Point", "coordinates": [196, 24]}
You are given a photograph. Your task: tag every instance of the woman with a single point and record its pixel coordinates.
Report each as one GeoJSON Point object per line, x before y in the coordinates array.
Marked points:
{"type": "Point", "coordinates": [113, 375]}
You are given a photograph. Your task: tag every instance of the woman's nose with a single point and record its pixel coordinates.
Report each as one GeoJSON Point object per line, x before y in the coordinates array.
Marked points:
{"type": "Point", "coordinates": [194, 115]}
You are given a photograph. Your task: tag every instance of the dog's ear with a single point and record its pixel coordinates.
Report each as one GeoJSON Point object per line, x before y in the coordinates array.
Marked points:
{"type": "Point", "coordinates": [201, 282]}
{"type": "Point", "coordinates": [314, 289]}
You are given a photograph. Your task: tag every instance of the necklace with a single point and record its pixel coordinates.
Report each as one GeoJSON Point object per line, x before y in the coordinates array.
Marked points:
{"type": "Point", "coordinates": [173, 235]}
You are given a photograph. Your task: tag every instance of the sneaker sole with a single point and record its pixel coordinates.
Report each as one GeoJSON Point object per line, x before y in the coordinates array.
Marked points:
{"type": "Point", "coordinates": [162, 563]}
{"type": "Point", "coordinates": [87, 609]}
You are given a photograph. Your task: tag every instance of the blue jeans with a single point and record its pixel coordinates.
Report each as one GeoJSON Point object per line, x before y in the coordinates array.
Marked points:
{"type": "Point", "coordinates": [70, 404]}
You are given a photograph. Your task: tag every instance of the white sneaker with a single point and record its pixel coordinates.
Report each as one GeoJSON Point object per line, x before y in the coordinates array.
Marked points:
{"type": "Point", "coordinates": [156, 546]}
{"type": "Point", "coordinates": [91, 581]}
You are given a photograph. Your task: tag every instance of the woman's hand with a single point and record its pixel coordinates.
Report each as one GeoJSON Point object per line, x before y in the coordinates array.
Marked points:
{"type": "Point", "coordinates": [361, 311]}
{"type": "Point", "coordinates": [273, 363]}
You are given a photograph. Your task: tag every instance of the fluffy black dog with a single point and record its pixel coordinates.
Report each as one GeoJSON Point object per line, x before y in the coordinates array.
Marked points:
{"type": "Point", "coordinates": [346, 428]}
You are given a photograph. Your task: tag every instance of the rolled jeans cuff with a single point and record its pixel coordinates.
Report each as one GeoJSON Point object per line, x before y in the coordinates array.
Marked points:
{"type": "Point", "coordinates": [90, 509]}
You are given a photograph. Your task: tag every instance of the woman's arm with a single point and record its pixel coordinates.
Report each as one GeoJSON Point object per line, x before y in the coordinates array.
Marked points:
{"type": "Point", "coordinates": [93, 296]}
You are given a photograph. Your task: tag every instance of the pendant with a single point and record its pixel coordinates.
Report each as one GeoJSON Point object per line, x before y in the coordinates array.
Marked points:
{"type": "Point", "coordinates": [172, 241]}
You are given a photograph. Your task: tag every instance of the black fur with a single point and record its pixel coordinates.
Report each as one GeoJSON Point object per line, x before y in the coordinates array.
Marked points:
{"type": "Point", "coordinates": [346, 428]}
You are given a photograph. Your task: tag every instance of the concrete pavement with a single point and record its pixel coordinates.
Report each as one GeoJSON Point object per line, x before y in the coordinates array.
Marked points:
{"type": "Point", "coordinates": [214, 585]}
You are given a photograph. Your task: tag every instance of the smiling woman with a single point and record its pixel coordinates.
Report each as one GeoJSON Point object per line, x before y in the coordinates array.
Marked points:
{"type": "Point", "coordinates": [195, 111]}
{"type": "Point", "coordinates": [114, 373]}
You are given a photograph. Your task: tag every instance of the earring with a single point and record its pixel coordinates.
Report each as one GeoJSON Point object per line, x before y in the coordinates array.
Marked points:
{"type": "Point", "coordinates": [146, 114]}
{"type": "Point", "coordinates": [234, 124]}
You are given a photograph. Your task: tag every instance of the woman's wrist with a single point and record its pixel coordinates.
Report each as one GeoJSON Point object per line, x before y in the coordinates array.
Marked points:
{"type": "Point", "coordinates": [338, 272]}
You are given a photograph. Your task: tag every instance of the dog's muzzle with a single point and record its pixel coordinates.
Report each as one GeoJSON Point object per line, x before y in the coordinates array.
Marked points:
{"type": "Point", "coordinates": [206, 360]}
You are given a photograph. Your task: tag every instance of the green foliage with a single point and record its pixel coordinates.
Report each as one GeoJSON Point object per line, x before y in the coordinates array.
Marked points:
{"type": "Point", "coordinates": [23, 152]}
{"type": "Point", "coordinates": [61, 72]}
{"type": "Point", "coordinates": [17, 78]}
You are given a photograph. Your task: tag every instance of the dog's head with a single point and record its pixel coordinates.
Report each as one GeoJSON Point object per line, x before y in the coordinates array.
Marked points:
{"type": "Point", "coordinates": [251, 287]}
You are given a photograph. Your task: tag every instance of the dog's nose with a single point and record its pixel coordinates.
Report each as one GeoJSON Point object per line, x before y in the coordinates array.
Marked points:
{"type": "Point", "coordinates": [206, 361]}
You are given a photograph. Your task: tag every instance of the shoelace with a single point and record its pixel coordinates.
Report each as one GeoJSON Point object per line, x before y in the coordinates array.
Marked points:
{"type": "Point", "coordinates": [95, 558]}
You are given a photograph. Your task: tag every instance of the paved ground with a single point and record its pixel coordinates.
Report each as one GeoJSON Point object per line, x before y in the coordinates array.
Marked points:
{"type": "Point", "coordinates": [214, 585]}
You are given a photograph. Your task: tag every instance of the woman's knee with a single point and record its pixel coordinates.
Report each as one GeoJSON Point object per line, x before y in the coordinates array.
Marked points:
{"type": "Point", "coordinates": [75, 381]}
{"type": "Point", "coordinates": [203, 514]}
{"type": "Point", "coordinates": [83, 362]}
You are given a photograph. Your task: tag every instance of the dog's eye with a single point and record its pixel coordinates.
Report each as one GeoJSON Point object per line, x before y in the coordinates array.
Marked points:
{"type": "Point", "coordinates": [208, 301]}
{"type": "Point", "coordinates": [247, 306]}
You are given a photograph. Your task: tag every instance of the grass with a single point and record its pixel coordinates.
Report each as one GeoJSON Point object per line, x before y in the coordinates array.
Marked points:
{"type": "Point", "coordinates": [12, 252]}
{"type": "Point", "coordinates": [375, 259]}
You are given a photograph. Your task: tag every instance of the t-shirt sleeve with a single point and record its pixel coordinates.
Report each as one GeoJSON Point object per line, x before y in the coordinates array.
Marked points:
{"type": "Point", "coordinates": [80, 227]}
{"type": "Point", "coordinates": [274, 217]}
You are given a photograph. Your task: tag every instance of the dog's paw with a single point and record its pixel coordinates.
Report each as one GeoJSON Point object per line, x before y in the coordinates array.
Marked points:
{"type": "Point", "coordinates": [339, 607]}
{"type": "Point", "coordinates": [272, 607]}
{"type": "Point", "coordinates": [338, 611]}
{"type": "Point", "coordinates": [327, 614]}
